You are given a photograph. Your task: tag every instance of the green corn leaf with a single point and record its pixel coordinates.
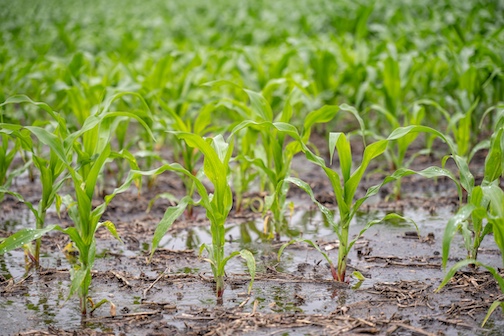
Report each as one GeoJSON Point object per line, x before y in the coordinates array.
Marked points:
{"type": "Point", "coordinates": [355, 113]}
{"type": "Point", "coordinates": [259, 163]}
{"type": "Point", "coordinates": [402, 131]}
{"type": "Point", "coordinates": [467, 235]}
{"type": "Point", "coordinates": [21, 199]}
{"type": "Point", "coordinates": [203, 119]}
{"type": "Point", "coordinates": [260, 105]}
{"type": "Point", "coordinates": [451, 272]}
{"type": "Point", "coordinates": [98, 305]}
{"type": "Point", "coordinates": [287, 112]}
{"type": "Point", "coordinates": [125, 154]}
{"type": "Point", "coordinates": [391, 118]}
{"type": "Point", "coordinates": [95, 171]}
{"type": "Point", "coordinates": [451, 228]}
{"type": "Point", "coordinates": [111, 228]}
{"type": "Point", "coordinates": [429, 172]}
{"type": "Point", "coordinates": [221, 82]}
{"type": "Point", "coordinates": [494, 159]}
{"type": "Point", "coordinates": [75, 236]}
{"type": "Point", "coordinates": [466, 262]}
{"type": "Point", "coordinates": [133, 116]}
{"type": "Point", "coordinates": [94, 120]}
{"type": "Point", "coordinates": [392, 83]}
{"type": "Point", "coordinates": [89, 262]}
{"type": "Point", "coordinates": [484, 144]}
{"type": "Point", "coordinates": [339, 193]}
{"type": "Point", "coordinates": [243, 111]}
{"type": "Point", "coordinates": [497, 225]}
{"type": "Point", "coordinates": [372, 151]}
{"type": "Point", "coordinates": [21, 237]}
{"type": "Point", "coordinates": [325, 114]}
{"type": "Point", "coordinates": [306, 187]}
{"type": "Point", "coordinates": [78, 280]}
{"type": "Point", "coordinates": [466, 177]}
{"type": "Point", "coordinates": [358, 275]}
{"type": "Point", "coordinates": [83, 205]}
{"type": "Point", "coordinates": [9, 129]}
{"type": "Point", "coordinates": [492, 308]}
{"type": "Point", "coordinates": [109, 100]}
{"type": "Point", "coordinates": [288, 129]}
{"type": "Point", "coordinates": [307, 241]}
{"type": "Point", "coordinates": [340, 142]}
{"type": "Point", "coordinates": [134, 174]}
{"type": "Point", "coordinates": [495, 195]}
{"type": "Point", "coordinates": [215, 169]}
{"type": "Point", "coordinates": [171, 214]}
{"type": "Point", "coordinates": [18, 99]}
{"type": "Point", "coordinates": [202, 248]}
{"type": "Point", "coordinates": [50, 140]}
{"type": "Point", "coordinates": [221, 147]}
{"type": "Point", "coordinates": [213, 166]}
{"type": "Point", "coordinates": [251, 266]}
{"type": "Point", "coordinates": [168, 196]}
{"type": "Point", "coordinates": [268, 202]}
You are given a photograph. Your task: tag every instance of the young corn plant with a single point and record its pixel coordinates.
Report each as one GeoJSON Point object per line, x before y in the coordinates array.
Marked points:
{"type": "Point", "coordinates": [217, 154]}
{"type": "Point", "coordinates": [346, 182]}
{"type": "Point", "coordinates": [267, 160]}
{"type": "Point", "coordinates": [93, 149]}
{"type": "Point", "coordinates": [50, 168]}
{"type": "Point", "coordinates": [83, 154]}
{"type": "Point", "coordinates": [484, 203]}
{"type": "Point", "coordinates": [487, 204]}
{"type": "Point", "coordinates": [480, 216]}
{"type": "Point", "coordinates": [244, 172]}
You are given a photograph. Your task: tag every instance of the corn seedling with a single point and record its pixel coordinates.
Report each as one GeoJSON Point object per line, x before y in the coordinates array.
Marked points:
{"type": "Point", "coordinates": [346, 182]}
{"type": "Point", "coordinates": [216, 153]}
{"type": "Point", "coordinates": [487, 203]}
{"type": "Point", "coordinates": [51, 168]}
{"type": "Point", "coordinates": [479, 216]}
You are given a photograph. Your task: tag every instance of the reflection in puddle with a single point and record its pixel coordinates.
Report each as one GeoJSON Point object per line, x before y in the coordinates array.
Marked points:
{"type": "Point", "coordinates": [279, 298]}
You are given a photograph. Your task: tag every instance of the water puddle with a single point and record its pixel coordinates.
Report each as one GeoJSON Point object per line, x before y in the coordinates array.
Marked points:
{"type": "Point", "coordinates": [43, 303]}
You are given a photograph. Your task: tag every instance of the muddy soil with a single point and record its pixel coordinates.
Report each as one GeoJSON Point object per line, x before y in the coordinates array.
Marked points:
{"type": "Point", "coordinates": [174, 293]}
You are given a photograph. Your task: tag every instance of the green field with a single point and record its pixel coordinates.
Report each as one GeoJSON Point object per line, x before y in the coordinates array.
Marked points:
{"type": "Point", "coordinates": [226, 94]}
